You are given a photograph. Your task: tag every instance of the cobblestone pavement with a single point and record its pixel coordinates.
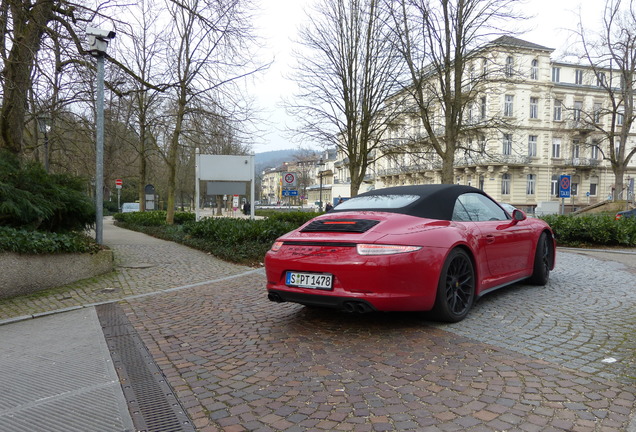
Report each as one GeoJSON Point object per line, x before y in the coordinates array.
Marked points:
{"type": "Point", "coordinates": [557, 358]}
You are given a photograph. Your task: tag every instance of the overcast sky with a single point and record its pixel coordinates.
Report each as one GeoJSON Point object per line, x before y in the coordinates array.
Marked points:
{"type": "Point", "coordinates": [280, 20]}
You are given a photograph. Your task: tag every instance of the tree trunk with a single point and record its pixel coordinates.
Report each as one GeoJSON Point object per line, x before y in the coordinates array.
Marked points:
{"type": "Point", "coordinates": [29, 25]}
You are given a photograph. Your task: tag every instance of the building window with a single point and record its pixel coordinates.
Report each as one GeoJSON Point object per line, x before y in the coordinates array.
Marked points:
{"type": "Point", "coordinates": [530, 184]}
{"type": "Point", "coordinates": [556, 148]}
{"type": "Point", "coordinates": [532, 145]}
{"type": "Point", "coordinates": [557, 110]}
{"type": "Point", "coordinates": [509, 67]}
{"type": "Point", "coordinates": [576, 149]}
{"type": "Point", "coordinates": [484, 67]}
{"type": "Point", "coordinates": [556, 74]}
{"type": "Point", "coordinates": [482, 111]}
{"type": "Point", "coordinates": [593, 186]}
{"type": "Point", "coordinates": [576, 113]}
{"type": "Point", "coordinates": [508, 104]}
{"type": "Point", "coordinates": [507, 144]}
{"type": "Point", "coordinates": [619, 117]}
{"type": "Point", "coordinates": [534, 107]}
{"type": "Point", "coordinates": [554, 185]}
{"type": "Point", "coordinates": [481, 182]}
{"type": "Point", "coordinates": [534, 70]}
{"type": "Point", "coordinates": [505, 184]}
{"type": "Point", "coordinates": [600, 79]}
{"type": "Point", "coordinates": [594, 150]}
{"type": "Point", "coordinates": [597, 112]}
{"type": "Point", "coordinates": [578, 76]}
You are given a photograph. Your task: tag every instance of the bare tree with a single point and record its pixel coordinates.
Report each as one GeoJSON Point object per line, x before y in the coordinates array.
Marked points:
{"type": "Point", "coordinates": [437, 40]}
{"type": "Point", "coordinates": [345, 69]}
{"type": "Point", "coordinates": [208, 51]}
{"type": "Point", "coordinates": [145, 56]}
{"type": "Point", "coordinates": [611, 54]}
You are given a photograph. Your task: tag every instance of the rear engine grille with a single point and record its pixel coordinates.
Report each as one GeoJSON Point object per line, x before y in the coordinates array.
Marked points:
{"type": "Point", "coordinates": [341, 225]}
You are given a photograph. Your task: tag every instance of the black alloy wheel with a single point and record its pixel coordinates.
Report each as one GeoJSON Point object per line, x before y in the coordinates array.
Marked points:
{"type": "Point", "coordinates": [542, 261]}
{"type": "Point", "coordinates": [456, 288]}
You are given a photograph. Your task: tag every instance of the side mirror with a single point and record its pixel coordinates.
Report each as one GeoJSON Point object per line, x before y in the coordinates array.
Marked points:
{"type": "Point", "coordinates": [518, 215]}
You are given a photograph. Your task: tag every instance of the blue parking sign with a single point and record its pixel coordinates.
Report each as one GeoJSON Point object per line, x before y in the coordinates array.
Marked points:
{"type": "Point", "coordinates": [564, 186]}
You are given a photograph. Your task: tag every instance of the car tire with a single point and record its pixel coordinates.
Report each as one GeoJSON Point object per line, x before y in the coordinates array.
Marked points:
{"type": "Point", "coordinates": [542, 261]}
{"type": "Point", "coordinates": [456, 288]}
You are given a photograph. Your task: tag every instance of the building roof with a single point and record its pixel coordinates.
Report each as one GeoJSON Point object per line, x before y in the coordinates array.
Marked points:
{"type": "Point", "coordinates": [518, 43]}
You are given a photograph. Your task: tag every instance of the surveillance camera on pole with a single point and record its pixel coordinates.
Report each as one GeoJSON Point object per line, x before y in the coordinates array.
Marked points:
{"type": "Point", "coordinates": [97, 44]}
{"type": "Point", "coordinates": [98, 40]}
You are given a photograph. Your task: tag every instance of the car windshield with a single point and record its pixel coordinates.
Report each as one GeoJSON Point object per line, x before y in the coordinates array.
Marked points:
{"type": "Point", "coordinates": [378, 202]}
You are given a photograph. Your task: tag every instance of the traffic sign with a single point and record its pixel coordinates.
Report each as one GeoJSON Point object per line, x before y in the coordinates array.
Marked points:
{"type": "Point", "coordinates": [118, 183]}
{"type": "Point", "coordinates": [289, 179]}
{"type": "Point", "coordinates": [290, 192]}
{"type": "Point", "coordinates": [564, 186]}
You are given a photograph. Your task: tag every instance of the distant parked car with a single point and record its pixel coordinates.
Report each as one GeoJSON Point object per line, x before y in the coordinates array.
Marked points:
{"type": "Point", "coordinates": [627, 213]}
{"type": "Point", "coordinates": [129, 207]}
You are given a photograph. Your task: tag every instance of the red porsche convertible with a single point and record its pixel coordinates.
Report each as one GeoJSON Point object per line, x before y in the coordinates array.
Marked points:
{"type": "Point", "coordinates": [409, 248]}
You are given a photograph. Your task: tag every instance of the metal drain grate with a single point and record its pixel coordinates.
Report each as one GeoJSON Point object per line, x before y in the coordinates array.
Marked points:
{"type": "Point", "coordinates": [151, 401]}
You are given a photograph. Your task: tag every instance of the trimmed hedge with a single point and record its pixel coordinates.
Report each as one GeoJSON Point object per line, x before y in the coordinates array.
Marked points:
{"type": "Point", "coordinates": [152, 218]}
{"type": "Point", "coordinates": [592, 230]}
{"type": "Point", "coordinates": [236, 240]}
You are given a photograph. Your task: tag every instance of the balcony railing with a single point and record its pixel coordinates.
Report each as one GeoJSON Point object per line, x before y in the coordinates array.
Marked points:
{"type": "Point", "coordinates": [480, 159]}
{"type": "Point", "coordinates": [410, 169]}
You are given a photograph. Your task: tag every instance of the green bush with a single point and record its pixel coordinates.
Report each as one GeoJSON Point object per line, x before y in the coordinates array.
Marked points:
{"type": "Point", "coordinates": [152, 218]}
{"type": "Point", "coordinates": [239, 240]}
{"type": "Point", "coordinates": [297, 218]}
{"type": "Point", "coordinates": [590, 230]}
{"type": "Point", "coordinates": [37, 242]}
{"type": "Point", "coordinates": [31, 199]}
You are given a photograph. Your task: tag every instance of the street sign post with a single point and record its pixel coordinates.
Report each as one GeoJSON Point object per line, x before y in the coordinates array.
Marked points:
{"type": "Point", "coordinates": [290, 180]}
{"type": "Point", "coordinates": [118, 184]}
{"type": "Point", "coordinates": [564, 190]}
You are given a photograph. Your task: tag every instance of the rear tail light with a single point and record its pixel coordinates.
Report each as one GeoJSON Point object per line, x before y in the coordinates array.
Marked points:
{"type": "Point", "coordinates": [276, 246]}
{"type": "Point", "coordinates": [377, 249]}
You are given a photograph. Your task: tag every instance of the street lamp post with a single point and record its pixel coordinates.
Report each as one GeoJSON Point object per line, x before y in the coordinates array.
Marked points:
{"type": "Point", "coordinates": [320, 173]}
{"type": "Point", "coordinates": [97, 44]}
{"type": "Point", "coordinates": [43, 126]}
{"type": "Point", "coordinates": [320, 202]}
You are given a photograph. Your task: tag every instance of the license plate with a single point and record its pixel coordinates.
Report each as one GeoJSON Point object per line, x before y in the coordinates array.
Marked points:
{"type": "Point", "coordinates": [309, 280]}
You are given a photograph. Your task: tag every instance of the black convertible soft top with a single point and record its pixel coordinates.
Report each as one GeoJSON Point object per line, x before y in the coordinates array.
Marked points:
{"type": "Point", "coordinates": [436, 201]}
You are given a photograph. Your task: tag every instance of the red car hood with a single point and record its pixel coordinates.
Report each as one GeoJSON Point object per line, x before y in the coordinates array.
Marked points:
{"type": "Point", "coordinates": [387, 224]}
